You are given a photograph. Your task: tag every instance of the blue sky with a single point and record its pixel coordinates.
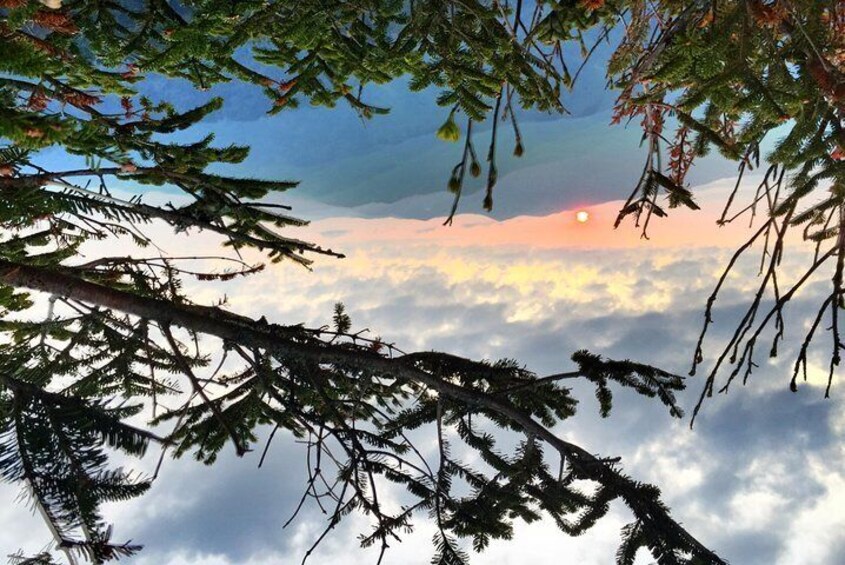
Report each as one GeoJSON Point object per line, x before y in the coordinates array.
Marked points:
{"type": "Point", "coordinates": [394, 165]}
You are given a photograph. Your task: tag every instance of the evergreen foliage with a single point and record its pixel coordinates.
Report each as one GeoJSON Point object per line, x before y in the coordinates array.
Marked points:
{"type": "Point", "coordinates": [120, 334]}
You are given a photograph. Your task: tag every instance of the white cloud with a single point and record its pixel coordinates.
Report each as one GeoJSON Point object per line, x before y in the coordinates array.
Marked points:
{"type": "Point", "coordinates": [741, 480]}
{"type": "Point", "coordinates": [815, 533]}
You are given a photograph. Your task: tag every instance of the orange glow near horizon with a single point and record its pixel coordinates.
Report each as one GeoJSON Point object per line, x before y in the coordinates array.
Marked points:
{"type": "Point", "coordinates": [559, 230]}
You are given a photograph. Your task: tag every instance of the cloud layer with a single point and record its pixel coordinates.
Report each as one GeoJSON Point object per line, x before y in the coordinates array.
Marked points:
{"type": "Point", "coordinates": [759, 478]}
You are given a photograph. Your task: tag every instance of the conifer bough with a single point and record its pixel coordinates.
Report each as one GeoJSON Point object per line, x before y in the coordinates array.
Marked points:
{"type": "Point", "coordinates": [119, 336]}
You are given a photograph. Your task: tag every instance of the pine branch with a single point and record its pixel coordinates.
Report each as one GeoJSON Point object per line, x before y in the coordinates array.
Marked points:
{"type": "Point", "coordinates": [649, 510]}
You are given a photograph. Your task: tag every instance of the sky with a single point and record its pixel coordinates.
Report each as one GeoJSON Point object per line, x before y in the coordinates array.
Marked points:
{"type": "Point", "coordinates": [759, 479]}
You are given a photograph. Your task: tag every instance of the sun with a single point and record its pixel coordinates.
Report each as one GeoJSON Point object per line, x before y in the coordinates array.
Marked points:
{"type": "Point", "coordinates": [582, 216]}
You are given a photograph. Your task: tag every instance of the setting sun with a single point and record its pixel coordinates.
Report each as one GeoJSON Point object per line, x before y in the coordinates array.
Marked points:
{"type": "Point", "coordinates": [582, 216]}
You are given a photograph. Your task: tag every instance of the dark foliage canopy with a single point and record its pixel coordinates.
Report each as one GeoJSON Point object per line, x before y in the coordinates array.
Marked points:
{"type": "Point", "coordinates": [120, 335]}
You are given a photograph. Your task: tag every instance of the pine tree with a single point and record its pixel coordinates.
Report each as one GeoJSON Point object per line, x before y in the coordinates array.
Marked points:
{"type": "Point", "coordinates": [733, 75]}
{"type": "Point", "coordinates": [120, 334]}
